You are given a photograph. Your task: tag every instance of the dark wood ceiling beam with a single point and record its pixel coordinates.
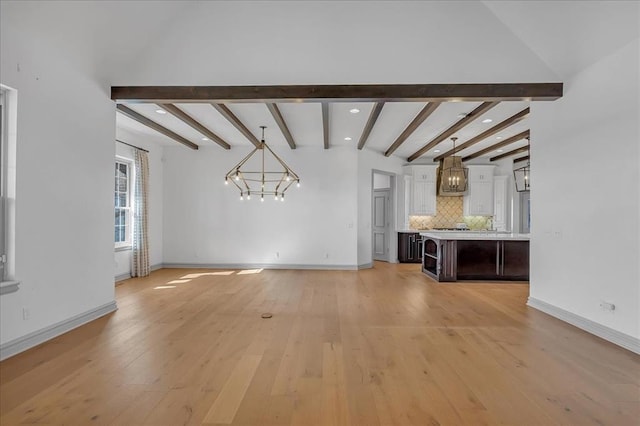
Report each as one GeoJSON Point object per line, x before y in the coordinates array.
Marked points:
{"type": "Point", "coordinates": [277, 116]}
{"type": "Point", "coordinates": [187, 119]}
{"type": "Point", "coordinates": [521, 159]}
{"type": "Point", "coordinates": [153, 125]}
{"type": "Point", "coordinates": [516, 118]}
{"type": "Point", "coordinates": [325, 124]}
{"type": "Point", "coordinates": [510, 153]}
{"type": "Point", "coordinates": [231, 117]}
{"type": "Point", "coordinates": [373, 117]}
{"type": "Point", "coordinates": [480, 109]}
{"type": "Point", "coordinates": [340, 93]}
{"type": "Point", "coordinates": [417, 121]}
{"type": "Point", "coordinates": [505, 142]}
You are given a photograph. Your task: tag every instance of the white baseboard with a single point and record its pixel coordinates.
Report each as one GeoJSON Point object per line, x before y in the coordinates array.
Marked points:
{"type": "Point", "coordinates": [35, 338]}
{"type": "Point", "coordinates": [127, 275]}
{"type": "Point", "coordinates": [624, 340]}
{"type": "Point", "coordinates": [258, 266]}
{"type": "Point", "coordinates": [366, 265]}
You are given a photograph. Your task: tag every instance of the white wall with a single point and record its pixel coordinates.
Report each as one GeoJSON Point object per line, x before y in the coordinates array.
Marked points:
{"type": "Point", "coordinates": [205, 223]}
{"type": "Point", "coordinates": [64, 184]}
{"type": "Point", "coordinates": [123, 258]}
{"type": "Point", "coordinates": [585, 212]}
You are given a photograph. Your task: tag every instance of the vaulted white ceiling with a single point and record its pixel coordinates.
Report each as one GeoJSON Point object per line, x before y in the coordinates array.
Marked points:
{"type": "Point", "coordinates": [348, 42]}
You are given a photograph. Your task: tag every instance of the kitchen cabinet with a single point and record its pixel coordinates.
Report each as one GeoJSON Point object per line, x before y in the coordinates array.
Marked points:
{"type": "Point", "coordinates": [479, 198]}
{"type": "Point", "coordinates": [409, 247]}
{"type": "Point", "coordinates": [423, 190]}
{"type": "Point", "coordinates": [500, 203]}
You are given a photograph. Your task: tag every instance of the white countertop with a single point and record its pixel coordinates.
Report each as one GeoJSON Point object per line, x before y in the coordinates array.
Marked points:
{"type": "Point", "coordinates": [475, 235]}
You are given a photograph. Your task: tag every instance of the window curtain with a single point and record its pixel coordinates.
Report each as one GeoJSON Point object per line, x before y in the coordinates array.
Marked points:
{"type": "Point", "coordinates": [140, 244]}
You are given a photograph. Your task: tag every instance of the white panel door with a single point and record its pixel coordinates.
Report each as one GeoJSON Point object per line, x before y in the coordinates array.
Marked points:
{"type": "Point", "coordinates": [381, 225]}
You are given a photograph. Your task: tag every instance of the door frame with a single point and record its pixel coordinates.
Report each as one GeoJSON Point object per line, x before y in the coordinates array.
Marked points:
{"type": "Point", "coordinates": [393, 242]}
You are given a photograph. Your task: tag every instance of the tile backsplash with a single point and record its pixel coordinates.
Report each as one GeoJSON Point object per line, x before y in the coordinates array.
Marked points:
{"type": "Point", "coordinates": [448, 213]}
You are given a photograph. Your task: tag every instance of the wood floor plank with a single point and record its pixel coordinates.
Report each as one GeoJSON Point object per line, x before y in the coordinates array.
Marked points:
{"type": "Point", "coordinates": [226, 405]}
{"type": "Point", "coordinates": [382, 346]}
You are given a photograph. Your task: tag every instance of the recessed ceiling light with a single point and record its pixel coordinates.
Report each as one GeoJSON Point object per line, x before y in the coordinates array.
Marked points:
{"type": "Point", "coordinates": [354, 110]}
{"type": "Point", "coordinates": [347, 138]}
{"type": "Point", "coordinates": [161, 111]}
{"type": "Point", "coordinates": [487, 120]}
{"type": "Point", "coordinates": [499, 150]}
{"type": "Point", "coordinates": [436, 151]}
{"type": "Point", "coordinates": [205, 139]}
{"type": "Point", "coordinates": [498, 137]}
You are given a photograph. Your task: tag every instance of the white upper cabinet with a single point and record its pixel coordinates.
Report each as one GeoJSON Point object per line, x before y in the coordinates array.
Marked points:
{"type": "Point", "coordinates": [423, 190]}
{"type": "Point", "coordinates": [479, 198]}
{"type": "Point", "coordinates": [500, 203]}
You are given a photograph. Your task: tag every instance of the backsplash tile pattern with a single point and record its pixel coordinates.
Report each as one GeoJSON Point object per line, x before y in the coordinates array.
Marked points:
{"type": "Point", "coordinates": [448, 213]}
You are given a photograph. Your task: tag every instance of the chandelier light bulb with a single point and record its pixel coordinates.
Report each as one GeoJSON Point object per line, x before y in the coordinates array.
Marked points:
{"type": "Point", "coordinates": [298, 184]}
{"type": "Point", "coordinates": [282, 198]}
{"type": "Point", "coordinates": [276, 197]}
{"type": "Point", "coordinates": [248, 195]}
{"type": "Point", "coordinates": [262, 198]}
{"type": "Point", "coordinates": [241, 197]}
{"type": "Point", "coordinates": [226, 181]}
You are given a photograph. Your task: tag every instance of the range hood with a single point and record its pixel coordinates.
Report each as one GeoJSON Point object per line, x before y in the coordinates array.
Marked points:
{"type": "Point", "coordinates": [452, 177]}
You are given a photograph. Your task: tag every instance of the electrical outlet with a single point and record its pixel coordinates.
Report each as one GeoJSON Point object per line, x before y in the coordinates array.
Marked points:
{"type": "Point", "coordinates": [607, 306]}
{"type": "Point", "coordinates": [25, 313]}
{"type": "Point", "coordinates": [326, 255]}
{"type": "Point", "coordinates": [277, 255]}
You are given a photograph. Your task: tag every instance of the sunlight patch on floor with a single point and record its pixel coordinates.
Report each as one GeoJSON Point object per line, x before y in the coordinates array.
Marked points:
{"type": "Point", "coordinates": [161, 287]}
{"type": "Point", "coordinates": [250, 271]}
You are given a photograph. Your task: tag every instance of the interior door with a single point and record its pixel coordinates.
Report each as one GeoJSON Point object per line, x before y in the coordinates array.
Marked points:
{"type": "Point", "coordinates": [381, 224]}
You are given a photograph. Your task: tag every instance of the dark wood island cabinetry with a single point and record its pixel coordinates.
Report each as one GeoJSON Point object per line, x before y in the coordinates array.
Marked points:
{"type": "Point", "coordinates": [476, 256]}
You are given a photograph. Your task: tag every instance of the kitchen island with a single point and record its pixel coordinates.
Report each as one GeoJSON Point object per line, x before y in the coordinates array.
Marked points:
{"type": "Point", "coordinates": [467, 255]}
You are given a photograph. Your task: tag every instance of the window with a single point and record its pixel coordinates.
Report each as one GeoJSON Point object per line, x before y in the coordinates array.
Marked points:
{"type": "Point", "coordinates": [122, 224]}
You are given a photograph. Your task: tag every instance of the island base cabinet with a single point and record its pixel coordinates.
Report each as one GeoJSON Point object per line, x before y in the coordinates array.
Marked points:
{"type": "Point", "coordinates": [477, 260]}
{"type": "Point", "coordinates": [454, 260]}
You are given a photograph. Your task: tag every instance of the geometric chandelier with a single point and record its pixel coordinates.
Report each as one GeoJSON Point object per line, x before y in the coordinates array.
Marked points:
{"type": "Point", "coordinates": [260, 175]}
{"type": "Point", "coordinates": [522, 175]}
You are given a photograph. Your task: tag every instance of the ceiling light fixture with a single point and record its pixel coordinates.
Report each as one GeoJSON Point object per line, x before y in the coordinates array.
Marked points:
{"type": "Point", "coordinates": [452, 174]}
{"type": "Point", "coordinates": [498, 150]}
{"type": "Point", "coordinates": [161, 111]}
{"type": "Point", "coordinates": [498, 137]}
{"type": "Point", "coordinates": [205, 139]}
{"type": "Point", "coordinates": [436, 151]}
{"type": "Point", "coordinates": [347, 138]}
{"type": "Point", "coordinates": [487, 120]}
{"type": "Point", "coordinates": [522, 175]}
{"type": "Point", "coordinates": [264, 179]}
{"type": "Point", "coordinates": [354, 110]}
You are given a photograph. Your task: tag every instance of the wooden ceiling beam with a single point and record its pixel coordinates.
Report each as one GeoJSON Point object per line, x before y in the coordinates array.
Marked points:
{"type": "Point", "coordinates": [520, 159]}
{"type": "Point", "coordinates": [340, 93]}
{"type": "Point", "coordinates": [417, 121]}
{"type": "Point", "coordinates": [325, 124]}
{"type": "Point", "coordinates": [187, 119]}
{"type": "Point", "coordinates": [277, 116]}
{"type": "Point", "coordinates": [516, 118]}
{"type": "Point", "coordinates": [510, 153]}
{"type": "Point", "coordinates": [231, 117]}
{"type": "Point", "coordinates": [505, 142]}
{"type": "Point", "coordinates": [373, 117]}
{"type": "Point", "coordinates": [153, 125]}
{"type": "Point", "coordinates": [481, 109]}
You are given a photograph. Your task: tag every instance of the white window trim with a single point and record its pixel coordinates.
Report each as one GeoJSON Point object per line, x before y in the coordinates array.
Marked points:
{"type": "Point", "coordinates": [127, 245]}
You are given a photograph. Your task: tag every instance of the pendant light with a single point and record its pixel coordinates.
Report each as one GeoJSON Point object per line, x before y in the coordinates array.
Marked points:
{"type": "Point", "coordinates": [262, 173]}
{"type": "Point", "coordinates": [522, 175]}
{"type": "Point", "coordinates": [453, 174]}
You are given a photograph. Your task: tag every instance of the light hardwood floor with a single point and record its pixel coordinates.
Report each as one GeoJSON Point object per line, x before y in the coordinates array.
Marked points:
{"type": "Point", "coordinates": [385, 346]}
